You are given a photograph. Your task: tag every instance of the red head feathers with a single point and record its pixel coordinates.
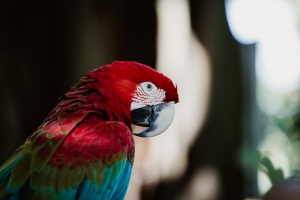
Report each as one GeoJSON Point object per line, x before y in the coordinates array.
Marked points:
{"type": "Point", "coordinates": [127, 75]}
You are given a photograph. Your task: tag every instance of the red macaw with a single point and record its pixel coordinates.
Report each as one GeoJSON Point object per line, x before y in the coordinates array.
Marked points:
{"type": "Point", "coordinates": [84, 149]}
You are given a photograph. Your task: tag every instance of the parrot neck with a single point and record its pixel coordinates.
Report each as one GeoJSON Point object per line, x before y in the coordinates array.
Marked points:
{"type": "Point", "coordinates": [116, 111]}
{"type": "Point", "coordinates": [86, 96]}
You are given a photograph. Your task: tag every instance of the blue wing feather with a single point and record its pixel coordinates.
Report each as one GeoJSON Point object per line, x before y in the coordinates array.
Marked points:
{"type": "Point", "coordinates": [121, 190]}
{"type": "Point", "coordinates": [116, 191]}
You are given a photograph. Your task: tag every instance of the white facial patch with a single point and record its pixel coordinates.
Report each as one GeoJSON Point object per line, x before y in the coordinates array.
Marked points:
{"type": "Point", "coordinates": [147, 94]}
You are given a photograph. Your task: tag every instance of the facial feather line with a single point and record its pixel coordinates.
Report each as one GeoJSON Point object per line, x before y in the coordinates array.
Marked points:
{"type": "Point", "coordinates": [140, 97]}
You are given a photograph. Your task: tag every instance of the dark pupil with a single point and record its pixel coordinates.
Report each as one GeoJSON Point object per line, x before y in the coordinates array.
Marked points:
{"type": "Point", "coordinates": [149, 86]}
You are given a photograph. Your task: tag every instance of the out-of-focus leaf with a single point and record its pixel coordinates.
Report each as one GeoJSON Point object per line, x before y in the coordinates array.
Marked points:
{"type": "Point", "coordinates": [275, 175]}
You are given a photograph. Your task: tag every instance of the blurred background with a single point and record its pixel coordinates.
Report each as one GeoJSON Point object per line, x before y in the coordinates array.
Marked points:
{"type": "Point", "coordinates": [236, 63]}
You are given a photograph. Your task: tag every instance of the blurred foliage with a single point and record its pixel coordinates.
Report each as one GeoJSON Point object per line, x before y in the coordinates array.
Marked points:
{"type": "Point", "coordinates": [275, 174]}
{"type": "Point", "coordinates": [281, 109]}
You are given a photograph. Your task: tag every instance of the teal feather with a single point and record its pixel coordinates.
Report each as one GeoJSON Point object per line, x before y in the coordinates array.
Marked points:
{"type": "Point", "coordinates": [117, 191]}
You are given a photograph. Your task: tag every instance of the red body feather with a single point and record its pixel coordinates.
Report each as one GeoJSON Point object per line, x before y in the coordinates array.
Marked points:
{"type": "Point", "coordinates": [93, 141]}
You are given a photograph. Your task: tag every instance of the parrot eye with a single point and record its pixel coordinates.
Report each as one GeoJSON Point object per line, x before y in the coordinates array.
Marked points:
{"type": "Point", "coordinates": [148, 87]}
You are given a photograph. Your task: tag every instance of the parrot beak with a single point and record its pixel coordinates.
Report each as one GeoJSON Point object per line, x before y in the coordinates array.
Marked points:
{"type": "Point", "coordinates": [157, 117]}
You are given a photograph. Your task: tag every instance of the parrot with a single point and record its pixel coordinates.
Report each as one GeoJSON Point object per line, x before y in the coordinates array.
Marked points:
{"type": "Point", "coordinates": [84, 148]}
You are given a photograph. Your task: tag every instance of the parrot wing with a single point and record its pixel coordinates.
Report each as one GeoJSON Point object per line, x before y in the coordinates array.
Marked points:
{"type": "Point", "coordinates": [76, 156]}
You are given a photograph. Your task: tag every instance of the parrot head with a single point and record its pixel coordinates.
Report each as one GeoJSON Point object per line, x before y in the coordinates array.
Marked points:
{"type": "Point", "coordinates": [139, 93]}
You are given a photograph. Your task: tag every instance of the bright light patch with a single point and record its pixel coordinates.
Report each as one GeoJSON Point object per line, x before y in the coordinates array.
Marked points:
{"type": "Point", "coordinates": [174, 32]}
{"type": "Point", "coordinates": [272, 24]}
{"type": "Point", "coordinates": [245, 19]}
{"type": "Point", "coordinates": [278, 62]}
